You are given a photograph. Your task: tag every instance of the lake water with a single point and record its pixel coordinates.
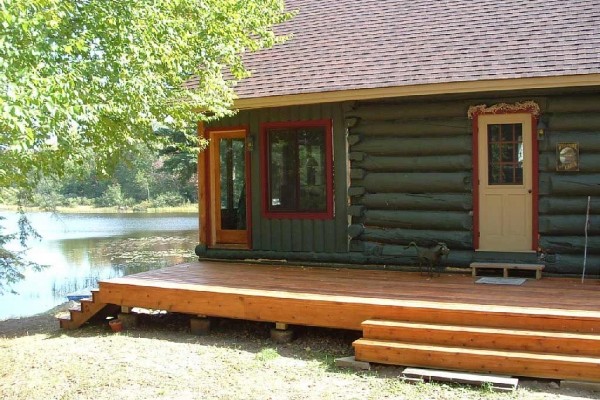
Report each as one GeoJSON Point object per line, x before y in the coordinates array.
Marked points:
{"type": "Point", "coordinates": [80, 249]}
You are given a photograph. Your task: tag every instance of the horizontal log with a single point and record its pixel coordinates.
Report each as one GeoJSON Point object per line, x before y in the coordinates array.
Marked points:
{"type": "Point", "coordinates": [453, 239]}
{"type": "Point", "coordinates": [356, 156]}
{"type": "Point", "coordinates": [449, 163]}
{"type": "Point", "coordinates": [570, 244]}
{"type": "Point", "coordinates": [356, 211]}
{"type": "Point", "coordinates": [425, 201]}
{"type": "Point", "coordinates": [559, 225]}
{"type": "Point", "coordinates": [418, 182]}
{"type": "Point", "coordinates": [357, 246]}
{"type": "Point", "coordinates": [434, 220]}
{"type": "Point", "coordinates": [573, 104]}
{"type": "Point", "coordinates": [355, 191]}
{"type": "Point", "coordinates": [355, 230]}
{"type": "Point", "coordinates": [588, 141]}
{"type": "Point", "coordinates": [357, 173]}
{"type": "Point", "coordinates": [414, 146]}
{"type": "Point", "coordinates": [352, 122]}
{"type": "Point", "coordinates": [421, 127]}
{"type": "Point", "coordinates": [588, 162]}
{"type": "Point", "coordinates": [587, 122]}
{"type": "Point", "coordinates": [567, 205]}
{"type": "Point", "coordinates": [569, 184]}
{"type": "Point", "coordinates": [400, 255]}
{"type": "Point", "coordinates": [412, 110]}
{"type": "Point", "coordinates": [572, 264]}
{"type": "Point", "coordinates": [354, 139]}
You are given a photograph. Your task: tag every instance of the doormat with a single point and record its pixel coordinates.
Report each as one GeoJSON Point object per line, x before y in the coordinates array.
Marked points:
{"type": "Point", "coordinates": [501, 281]}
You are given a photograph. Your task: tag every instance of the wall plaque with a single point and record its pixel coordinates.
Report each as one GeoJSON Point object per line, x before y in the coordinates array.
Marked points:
{"type": "Point", "coordinates": [567, 156]}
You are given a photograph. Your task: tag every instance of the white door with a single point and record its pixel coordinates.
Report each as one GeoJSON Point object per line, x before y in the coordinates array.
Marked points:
{"type": "Point", "coordinates": [505, 182]}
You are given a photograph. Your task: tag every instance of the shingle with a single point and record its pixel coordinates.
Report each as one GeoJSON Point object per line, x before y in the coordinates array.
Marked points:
{"type": "Point", "coordinates": [361, 44]}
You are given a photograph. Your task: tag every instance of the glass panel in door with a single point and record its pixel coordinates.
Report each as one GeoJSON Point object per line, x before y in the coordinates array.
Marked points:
{"type": "Point", "coordinates": [228, 164]}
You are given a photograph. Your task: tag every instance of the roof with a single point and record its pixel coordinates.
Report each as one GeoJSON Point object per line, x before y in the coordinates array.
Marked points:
{"type": "Point", "coordinates": [346, 45]}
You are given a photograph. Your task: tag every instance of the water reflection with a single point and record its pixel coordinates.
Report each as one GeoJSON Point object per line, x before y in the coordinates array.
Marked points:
{"type": "Point", "coordinates": [81, 249]}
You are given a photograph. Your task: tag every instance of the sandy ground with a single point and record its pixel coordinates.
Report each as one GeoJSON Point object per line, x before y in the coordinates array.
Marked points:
{"type": "Point", "coordinates": [237, 360]}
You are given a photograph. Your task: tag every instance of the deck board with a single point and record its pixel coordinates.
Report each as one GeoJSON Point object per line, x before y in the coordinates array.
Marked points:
{"type": "Point", "coordinates": [559, 293]}
{"type": "Point", "coordinates": [319, 296]}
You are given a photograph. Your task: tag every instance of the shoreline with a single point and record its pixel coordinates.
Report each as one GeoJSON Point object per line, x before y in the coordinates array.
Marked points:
{"type": "Point", "coordinates": [188, 208]}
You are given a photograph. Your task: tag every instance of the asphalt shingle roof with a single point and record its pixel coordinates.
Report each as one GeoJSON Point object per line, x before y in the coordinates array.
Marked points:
{"type": "Point", "coordinates": [362, 44]}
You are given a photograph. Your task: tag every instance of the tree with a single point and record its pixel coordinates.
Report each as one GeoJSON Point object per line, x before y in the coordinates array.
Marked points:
{"type": "Point", "coordinates": [81, 77]}
{"type": "Point", "coordinates": [12, 263]}
{"type": "Point", "coordinates": [95, 75]}
{"type": "Point", "coordinates": [180, 160]}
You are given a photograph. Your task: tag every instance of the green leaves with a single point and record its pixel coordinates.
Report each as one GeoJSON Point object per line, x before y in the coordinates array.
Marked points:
{"type": "Point", "coordinates": [97, 76]}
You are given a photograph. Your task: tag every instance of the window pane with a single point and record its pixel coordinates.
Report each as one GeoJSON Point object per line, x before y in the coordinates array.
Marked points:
{"type": "Point", "coordinates": [232, 179]}
{"type": "Point", "coordinates": [505, 154]}
{"type": "Point", "coordinates": [312, 170]}
{"type": "Point", "coordinates": [297, 173]}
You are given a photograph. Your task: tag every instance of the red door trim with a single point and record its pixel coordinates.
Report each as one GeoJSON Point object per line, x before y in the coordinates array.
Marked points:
{"type": "Point", "coordinates": [535, 189]}
{"type": "Point", "coordinates": [475, 152]}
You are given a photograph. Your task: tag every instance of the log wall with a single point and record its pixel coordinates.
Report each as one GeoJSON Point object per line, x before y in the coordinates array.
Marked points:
{"type": "Point", "coordinates": [563, 195]}
{"type": "Point", "coordinates": [411, 179]}
{"type": "Point", "coordinates": [403, 173]}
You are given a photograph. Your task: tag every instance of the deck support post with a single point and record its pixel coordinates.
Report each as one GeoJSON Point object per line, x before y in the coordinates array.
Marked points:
{"type": "Point", "coordinates": [281, 333]}
{"type": "Point", "coordinates": [200, 325]}
{"type": "Point", "coordinates": [129, 319]}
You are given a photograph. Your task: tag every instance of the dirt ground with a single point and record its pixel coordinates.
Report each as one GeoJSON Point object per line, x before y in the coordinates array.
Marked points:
{"type": "Point", "coordinates": [160, 359]}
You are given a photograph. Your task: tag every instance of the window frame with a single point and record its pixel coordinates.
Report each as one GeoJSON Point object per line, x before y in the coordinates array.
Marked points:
{"type": "Point", "coordinates": [266, 178]}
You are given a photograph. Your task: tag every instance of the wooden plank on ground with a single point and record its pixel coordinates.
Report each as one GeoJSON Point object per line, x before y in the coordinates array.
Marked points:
{"type": "Point", "coordinates": [496, 382]}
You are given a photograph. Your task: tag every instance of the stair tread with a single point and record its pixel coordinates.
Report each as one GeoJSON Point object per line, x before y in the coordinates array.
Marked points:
{"type": "Point", "coordinates": [480, 329]}
{"type": "Point", "coordinates": [507, 265]}
{"type": "Point", "coordinates": [477, 351]}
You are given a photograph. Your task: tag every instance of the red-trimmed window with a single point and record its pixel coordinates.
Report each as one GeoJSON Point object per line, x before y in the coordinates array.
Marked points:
{"type": "Point", "coordinates": [297, 169]}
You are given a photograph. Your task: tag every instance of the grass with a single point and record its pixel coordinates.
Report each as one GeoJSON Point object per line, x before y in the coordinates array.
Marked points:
{"type": "Point", "coordinates": [161, 360]}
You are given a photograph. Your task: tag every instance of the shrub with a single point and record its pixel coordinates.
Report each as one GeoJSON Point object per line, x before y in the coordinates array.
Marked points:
{"type": "Point", "coordinates": [168, 199]}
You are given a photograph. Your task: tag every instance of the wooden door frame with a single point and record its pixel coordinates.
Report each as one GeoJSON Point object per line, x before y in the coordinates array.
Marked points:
{"type": "Point", "coordinates": [534, 178]}
{"type": "Point", "coordinates": [206, 236]}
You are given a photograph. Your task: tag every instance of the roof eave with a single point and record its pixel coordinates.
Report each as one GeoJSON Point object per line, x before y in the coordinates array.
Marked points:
{"type": "Point", "coordinates": [549, 82]}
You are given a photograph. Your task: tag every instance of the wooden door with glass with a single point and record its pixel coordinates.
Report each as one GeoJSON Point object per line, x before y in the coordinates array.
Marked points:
{"type": "Point", "coordinates": [229, 184]}
{"type": "Point", "coordinates": [505, 182]}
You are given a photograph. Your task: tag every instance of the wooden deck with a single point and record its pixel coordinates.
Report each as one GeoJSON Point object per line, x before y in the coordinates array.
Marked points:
{"type": "Point", "coordinates": [449, 309]}
{"type": "Point", "coordinates": [251, 291]}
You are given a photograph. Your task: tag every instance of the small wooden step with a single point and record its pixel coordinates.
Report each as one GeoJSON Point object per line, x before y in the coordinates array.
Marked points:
{"type": "Point", "coordinates": [86, 310]}
{"type": "Point", "coordinates": [513, 363]}
{"type": "Point", "coordinates": [484, 338]}
{"type": "Point", "coordinates": [505, 267]}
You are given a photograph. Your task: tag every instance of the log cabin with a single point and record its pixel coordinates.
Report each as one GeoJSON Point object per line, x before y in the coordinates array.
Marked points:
{"type": "Point", "coordinates": [378, 124]}
{"type": "Point", "coordinates": [381, 123]}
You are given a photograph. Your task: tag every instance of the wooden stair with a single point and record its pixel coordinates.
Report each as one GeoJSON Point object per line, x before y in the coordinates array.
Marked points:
{"type": "Point", "coordinates": [87, 310]}
{"type": "Point", "coordinates": [508, 350]}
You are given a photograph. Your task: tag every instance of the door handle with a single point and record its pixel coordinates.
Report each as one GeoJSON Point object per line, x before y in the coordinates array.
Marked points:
{"type": "Point", "coordinates": [530, 191]}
